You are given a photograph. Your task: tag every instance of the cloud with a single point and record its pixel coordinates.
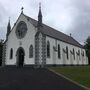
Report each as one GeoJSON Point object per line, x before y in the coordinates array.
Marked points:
{"type": "Point", "coordinates": [68, 16]}
{"type": "Point", "coordinates": [81, 22]}
{"type": "Point", "coordinates": [3, 14]}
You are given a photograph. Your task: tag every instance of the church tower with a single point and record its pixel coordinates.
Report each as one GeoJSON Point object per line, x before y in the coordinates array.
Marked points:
{"type": "Point", "coordinates": [40, 43]}
{"type": "Point", "coordinates": [8, 28]}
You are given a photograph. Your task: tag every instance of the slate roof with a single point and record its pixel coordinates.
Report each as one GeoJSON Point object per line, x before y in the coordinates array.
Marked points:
{"type": "Point", "coordinates": [55, 34]}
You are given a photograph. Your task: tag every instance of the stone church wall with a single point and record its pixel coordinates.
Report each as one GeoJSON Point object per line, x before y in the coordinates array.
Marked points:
{"type": "Point", "coordinates": [79, 59]}
{"type": "Point", "coordinates": [14, 43]}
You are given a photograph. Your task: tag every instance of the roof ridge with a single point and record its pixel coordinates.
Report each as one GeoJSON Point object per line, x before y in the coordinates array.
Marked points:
{"type": "Point", "coordinates": [59, 35]}
{"type": "Point", "coordinates": [48, 26]}
{"type": "Point", "coordinates": [57, 30]}
{"type": "Point", "coordinates": [29, 17]}
{"type": "Point", "coordinates": [77, 41]}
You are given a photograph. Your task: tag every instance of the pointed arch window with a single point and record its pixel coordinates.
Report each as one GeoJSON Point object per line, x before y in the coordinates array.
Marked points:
{"type": "Point", "coordinates": [74, 53]}
{"type": "Point", "coordinates": [79, 54]}
{"type": "Point", "coordinates": [59, 56]}
{"type": "Point", "coordinates": [31, 51]}
{"type": "Point", "coordinates": [48, 49]}
{"type": "Point", "coordinates": [67, 52]}
{"type": "Point", "coordinates": [11, 53]}
{"type": "Point", "coordinates": [82, 53]}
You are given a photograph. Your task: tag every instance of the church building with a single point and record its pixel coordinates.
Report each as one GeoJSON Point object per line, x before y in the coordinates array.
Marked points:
{"type": "Point", "coordinates": [30, 42]}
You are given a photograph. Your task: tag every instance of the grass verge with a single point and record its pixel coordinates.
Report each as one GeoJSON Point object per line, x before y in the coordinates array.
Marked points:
{"type": "Point", "coordinates": [80, 74]}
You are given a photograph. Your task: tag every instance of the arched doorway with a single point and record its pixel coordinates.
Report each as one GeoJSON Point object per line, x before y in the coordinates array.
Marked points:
{"type": "Point", "coordinates": [20, 56]}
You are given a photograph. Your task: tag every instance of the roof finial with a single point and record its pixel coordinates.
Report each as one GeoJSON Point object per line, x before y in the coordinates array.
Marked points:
{"type": "Point", "coordinates": [8, 28]}
{"type": "Point", "coordinates": [22, 10]}
{"type": "Point", "coordinates": [40, 16]}
{"type": "Point", "coordinates": [9, 19]}
{"type": "Point", "coordinates": [39, 5]}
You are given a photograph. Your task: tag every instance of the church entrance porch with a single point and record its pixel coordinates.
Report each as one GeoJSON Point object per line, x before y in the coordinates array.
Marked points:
{"type": "Point", "coordinates": [20, 57]}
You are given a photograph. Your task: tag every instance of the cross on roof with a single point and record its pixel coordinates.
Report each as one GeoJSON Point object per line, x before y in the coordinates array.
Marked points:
{"type": "Point", "coordinates": [22, 10]}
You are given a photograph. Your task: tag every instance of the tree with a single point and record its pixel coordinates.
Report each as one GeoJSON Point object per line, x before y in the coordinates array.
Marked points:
{"type": "Point", "coordinates": [87, 47]}
{"type": "Point", "coordinates": [1, 51]}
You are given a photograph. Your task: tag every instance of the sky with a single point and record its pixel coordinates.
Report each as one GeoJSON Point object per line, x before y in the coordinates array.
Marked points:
{"type": "Point", "coordinates": [67, 16]}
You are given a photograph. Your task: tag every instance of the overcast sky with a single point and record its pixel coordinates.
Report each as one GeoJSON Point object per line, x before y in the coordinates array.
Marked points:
{"type": "Point", "coordinates": [68, 16]}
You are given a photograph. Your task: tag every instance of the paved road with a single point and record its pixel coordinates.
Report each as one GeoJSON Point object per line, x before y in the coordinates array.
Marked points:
{"type": "Point", "coordinates": [33, 79]}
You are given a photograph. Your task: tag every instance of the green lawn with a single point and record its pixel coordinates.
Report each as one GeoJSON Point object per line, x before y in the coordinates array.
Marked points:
{"type": "Point", "coordinates": [80, 74]}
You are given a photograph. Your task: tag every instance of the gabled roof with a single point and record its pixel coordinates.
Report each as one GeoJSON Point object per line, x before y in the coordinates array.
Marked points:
{"type": "Point", "coordinates": [55, 34]}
